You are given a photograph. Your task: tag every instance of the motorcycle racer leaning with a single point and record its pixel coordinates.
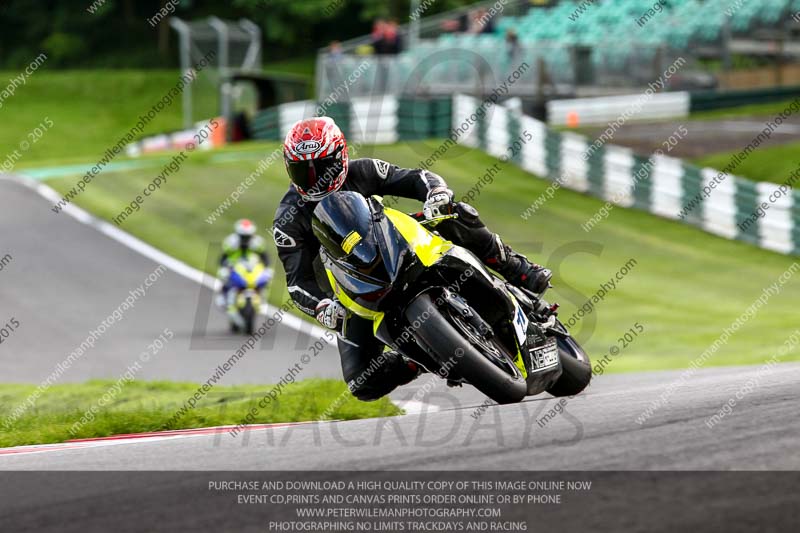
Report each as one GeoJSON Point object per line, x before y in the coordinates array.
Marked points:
{"type": "Point", "coordinates": [315, 153]}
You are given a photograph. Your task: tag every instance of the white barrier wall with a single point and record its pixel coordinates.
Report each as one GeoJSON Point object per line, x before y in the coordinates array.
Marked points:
{"type": "Point", "coordinates": [292, 112]}
{"type": "Point", "coordinates": [374, 120]}
{"type": "Point", "coordinates": [533, 152]}
{"type": "Point", "coordinates": [574, 167]}
{"type": "Point", "coordinates": [662, 185]}
{"type": "Point", "coordinates": [618, 172]}
{"type": "Point", "coordinates": [775, 230]}
{"type": "Point", "coordinates": [667, 193]}
{"type": "Point", "coordinates": [719, 214]}
{"type": "Point", "coordinates": [605, 109]}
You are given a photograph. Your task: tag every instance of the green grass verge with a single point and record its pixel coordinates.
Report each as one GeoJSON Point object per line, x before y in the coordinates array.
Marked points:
{"type": "Point", "coordinates": [686, 287]}
{"type": "Point", "coordinates": [765, 109]}
{"type": "Point", "coordinates": [774, 164]}
{"type": "Point", "coordinates": [90, 111]}
{"type": "Point", "coordinates": [149, 406]}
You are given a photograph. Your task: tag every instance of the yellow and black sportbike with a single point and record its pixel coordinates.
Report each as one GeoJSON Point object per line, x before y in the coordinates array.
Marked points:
{"type": "Point", "coordinates": [439, 306]}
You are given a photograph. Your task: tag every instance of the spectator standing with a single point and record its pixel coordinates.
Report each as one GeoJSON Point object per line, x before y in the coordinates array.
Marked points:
{"type": "Point", "coordinates": [385, 42]}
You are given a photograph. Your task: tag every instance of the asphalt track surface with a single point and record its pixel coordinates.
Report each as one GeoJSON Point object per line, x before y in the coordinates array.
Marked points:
{"type": "Point", "coordinates": [697, 138]}
{"type": "Point", "coordinates": [596, 438]}
{"type": "Point", "coordinates": [597, 431]}
{"type": "Point", "coordinates": [66, 278]}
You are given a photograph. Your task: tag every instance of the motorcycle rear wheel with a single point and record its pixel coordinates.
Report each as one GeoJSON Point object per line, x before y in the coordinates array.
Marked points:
{"type": "Point", "coordinates": [576, 368]}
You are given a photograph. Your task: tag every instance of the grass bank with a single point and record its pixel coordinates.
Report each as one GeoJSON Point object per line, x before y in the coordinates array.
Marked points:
{"type": "Point", "coordinates": [151, 406]}
{"type": "Point", "coordinates": [685, 288]}
{"type": "Point", "coordinates": [774, 164]}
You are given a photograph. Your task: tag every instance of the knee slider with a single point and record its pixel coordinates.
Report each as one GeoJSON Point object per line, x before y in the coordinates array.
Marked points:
{"type": "Point", "coordinates": [392, 373]}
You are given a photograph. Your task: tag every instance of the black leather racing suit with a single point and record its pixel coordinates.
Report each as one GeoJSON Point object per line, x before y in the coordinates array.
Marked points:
{"type": "Point", "coordinates": [298, 248]}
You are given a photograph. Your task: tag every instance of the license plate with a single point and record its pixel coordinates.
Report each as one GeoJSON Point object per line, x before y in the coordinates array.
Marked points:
{"type": "Point", "coordinates": [545, 356]}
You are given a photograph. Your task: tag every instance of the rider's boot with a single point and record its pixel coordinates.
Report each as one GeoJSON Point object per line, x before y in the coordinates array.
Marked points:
{"type": "Point", "coordinates": [469, 230]}
{"type": "Point", "coordinates": [518, 270]}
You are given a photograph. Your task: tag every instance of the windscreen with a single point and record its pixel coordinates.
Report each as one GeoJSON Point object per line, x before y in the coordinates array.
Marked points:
{"type": "Point", "coordinates": [342, 223]}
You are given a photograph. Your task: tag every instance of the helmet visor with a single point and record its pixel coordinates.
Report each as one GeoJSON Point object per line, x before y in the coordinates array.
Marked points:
{"type": "Point", "coordinates": [315, 176]}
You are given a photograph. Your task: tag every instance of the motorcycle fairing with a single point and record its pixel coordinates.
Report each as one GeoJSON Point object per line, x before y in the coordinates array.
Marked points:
{"type": "Point", "coordinates": [244, 275]}
{"type": "Point", "coordinates": [428, 247]}
{"type": "Point", "coordinates": [363, 270]}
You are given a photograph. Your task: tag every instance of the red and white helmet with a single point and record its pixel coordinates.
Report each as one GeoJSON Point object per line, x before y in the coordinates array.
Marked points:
{"type": "Point", "coordinates": [244, 228]}
{"type": "Point", "coordinates": [315, 153]}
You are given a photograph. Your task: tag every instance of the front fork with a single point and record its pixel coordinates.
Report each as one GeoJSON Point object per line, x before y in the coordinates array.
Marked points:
{"type": "Point", "coordinates": [234, 305]}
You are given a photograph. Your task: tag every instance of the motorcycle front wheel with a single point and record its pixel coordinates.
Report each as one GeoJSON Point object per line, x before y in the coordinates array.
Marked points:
{"type": "Point", "coordinates": [249, 316]}
{"type": "Point", "coordinates": [445, 339]}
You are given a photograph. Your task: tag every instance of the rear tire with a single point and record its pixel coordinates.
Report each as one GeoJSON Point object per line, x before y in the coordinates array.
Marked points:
{"type": "Point", "coordinates": [445, 341]}
{"type": "Point", "coordinates": [576, 369]}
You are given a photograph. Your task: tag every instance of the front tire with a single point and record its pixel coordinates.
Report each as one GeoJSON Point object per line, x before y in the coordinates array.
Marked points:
{"type": "Point", "coordinates": [249, 316]}
{"type": "Point", "coordinates": [445, 342]}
